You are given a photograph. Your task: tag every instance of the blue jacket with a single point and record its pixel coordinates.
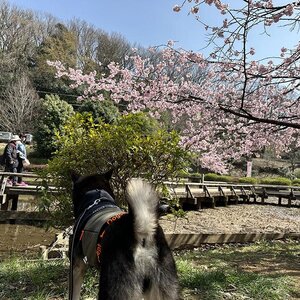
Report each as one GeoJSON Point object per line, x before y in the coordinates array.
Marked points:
{"type": "Point", "coordinates": [21, 150]}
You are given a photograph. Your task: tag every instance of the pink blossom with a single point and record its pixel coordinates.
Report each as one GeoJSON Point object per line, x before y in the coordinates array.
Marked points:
{"type": "Point", "coordinates": [195, 10]}
{"type": "Point", "coordinates": [220, 33]}
{"type": "Point", "coordinates": [209, 2]}
{"type": "Point", "coordinates": [176, 8]}
{"type": "Point", "coordinates": [252, 51]}
{"type": "Point", "coordinates": [289, 10]}
{"type": "Point", "coordinates": [170, 43]}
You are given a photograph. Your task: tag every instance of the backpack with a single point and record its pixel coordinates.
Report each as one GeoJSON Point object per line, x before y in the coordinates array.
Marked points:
{"type": "Point", "coordinates": [3, 157]}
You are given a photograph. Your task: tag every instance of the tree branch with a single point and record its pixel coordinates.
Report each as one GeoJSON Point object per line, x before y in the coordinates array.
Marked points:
{"type": "Point", "coordinates": [260, 120]}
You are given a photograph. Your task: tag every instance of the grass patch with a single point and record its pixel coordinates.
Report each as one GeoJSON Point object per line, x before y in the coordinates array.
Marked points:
{"type": "Point", "coordinates": [231, 283]}
{"type": "Point", "coordinates": [262, 271]}
{"type": "Point", "coordinates": [32, 280]}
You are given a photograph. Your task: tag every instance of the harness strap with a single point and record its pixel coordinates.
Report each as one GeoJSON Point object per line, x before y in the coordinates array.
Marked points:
{"type": "Point", "coordinates": [103, 231]}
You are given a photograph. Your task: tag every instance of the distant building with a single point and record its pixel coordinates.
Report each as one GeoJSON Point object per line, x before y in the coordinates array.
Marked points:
{"type": "Point", "coordinates": [5, 136]}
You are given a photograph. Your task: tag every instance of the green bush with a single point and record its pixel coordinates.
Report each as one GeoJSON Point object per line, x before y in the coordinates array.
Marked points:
{"type": "Point", "coordinates": [104, 110]}
{"type": "Point", "coordinates": [296, 182]}
{"type": "Point", "coordinates": [194, 177]}
{"type": "Point", "coordinates": [211, 177]}
{"type": "Point", "coordinates": [250, 180]}
{"type": "Point", "coordinates": [216, 177]}
{"type": "Point", "coordinates": [133, 146]}
{"type": "Point", "coordinates": [54, 113]}
{"type": "Point", "coordinates": [276, 181]}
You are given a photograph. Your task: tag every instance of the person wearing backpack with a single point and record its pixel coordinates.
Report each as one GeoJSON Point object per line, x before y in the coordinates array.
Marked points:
{"type": "Point", "coordinates": [11, 159]}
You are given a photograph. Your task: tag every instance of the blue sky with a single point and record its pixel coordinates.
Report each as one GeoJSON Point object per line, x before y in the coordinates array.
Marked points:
{"type": "Point", "coordinates": [149, 23]}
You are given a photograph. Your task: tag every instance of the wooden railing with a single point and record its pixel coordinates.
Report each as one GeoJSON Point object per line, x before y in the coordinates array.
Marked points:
{"type": "Point", "coordinates": [197, 193]}
{"type": "Point", "coordinates": [36, 185]}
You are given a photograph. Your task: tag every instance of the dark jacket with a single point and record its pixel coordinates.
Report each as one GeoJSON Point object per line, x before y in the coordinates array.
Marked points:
{"type": "Point", "coordinates": [11, 155]}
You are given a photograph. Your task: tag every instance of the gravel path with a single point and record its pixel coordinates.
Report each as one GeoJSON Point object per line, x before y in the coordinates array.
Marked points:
{"type": "Point", "coordinates": [241, 218]}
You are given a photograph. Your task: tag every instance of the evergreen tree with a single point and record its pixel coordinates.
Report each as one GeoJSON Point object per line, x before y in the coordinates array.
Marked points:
{"type": "Point", "coordinates": [61, 45]}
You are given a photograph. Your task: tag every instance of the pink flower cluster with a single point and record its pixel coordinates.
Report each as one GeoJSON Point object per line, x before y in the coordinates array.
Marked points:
{"type": "Point", "coordinates": [199, 106]}
{"type": "Point", "coordinates": [236, 109]}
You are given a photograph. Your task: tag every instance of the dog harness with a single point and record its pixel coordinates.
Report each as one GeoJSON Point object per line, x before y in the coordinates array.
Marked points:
{"type": "Point", "coordinates": [101, 212]}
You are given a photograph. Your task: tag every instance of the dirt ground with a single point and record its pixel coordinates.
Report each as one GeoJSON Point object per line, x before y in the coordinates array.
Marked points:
{"type": "Point", "coordinates": [240, 218]}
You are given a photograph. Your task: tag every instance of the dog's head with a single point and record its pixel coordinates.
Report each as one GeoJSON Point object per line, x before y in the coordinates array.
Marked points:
{"type": "Point", "coordinates": [83, 184]}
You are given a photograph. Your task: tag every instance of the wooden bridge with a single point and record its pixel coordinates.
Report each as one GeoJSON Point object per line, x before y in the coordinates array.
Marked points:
{"type": "Point", "coordinates": [189, 194]}
{"type": "Point", "coordinates": [35, 186]}
{"type": "Point", "coordinates": [212, 192]}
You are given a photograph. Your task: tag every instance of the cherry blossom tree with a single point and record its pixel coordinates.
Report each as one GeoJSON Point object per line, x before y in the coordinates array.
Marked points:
{"type": "Point", "coordinates": [232, 49]}
{"type": "Point", "coordinates": [237, 108]}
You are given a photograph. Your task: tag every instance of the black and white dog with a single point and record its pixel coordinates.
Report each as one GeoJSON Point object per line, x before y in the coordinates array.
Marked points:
{"type": "Point", "coordinates": [129, 249]}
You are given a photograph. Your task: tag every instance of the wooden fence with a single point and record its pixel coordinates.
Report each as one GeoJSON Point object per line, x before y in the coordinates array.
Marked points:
{"type": "Point", "coordinates": [198, 193]}
{"type": "Point", "coordinates": [35, 186]}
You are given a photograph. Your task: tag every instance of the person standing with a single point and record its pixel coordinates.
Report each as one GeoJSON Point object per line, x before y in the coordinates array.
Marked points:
{"type": "Point", "coordinates": [11, 159]}
{"type": "Point", "coordinates": [22, 156]}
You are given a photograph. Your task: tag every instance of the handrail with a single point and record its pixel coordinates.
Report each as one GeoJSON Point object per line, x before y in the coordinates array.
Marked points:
{"type": "Point", "coordinates": [24, 174]}
{"type": "Point", "coordinates": [228, 184]}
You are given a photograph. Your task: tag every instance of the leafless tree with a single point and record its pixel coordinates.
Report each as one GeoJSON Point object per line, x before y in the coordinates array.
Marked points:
{"type": "Point", "coordinates": [86, 44]}
{"type": "Point", "coordinates": [19, 106]}
{"type": "Point", "coordinates": [112, 47]}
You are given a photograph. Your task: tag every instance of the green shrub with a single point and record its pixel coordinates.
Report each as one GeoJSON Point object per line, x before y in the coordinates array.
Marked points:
{"type": "Point", "coordinates": [250, 180]}
{"type": "Point", "coordinates": [216, 177]}
{"type": "Point", "coordinates": [104, 110]}
{"type": "Point", "coordinates": [276, 181]}
{"type": "Point", "coordinates": [133, 146]}
{"type": "Point", "coordinates": [54, 113]}
{"type": "Point", "coordinates": [211, 177]}
{"type": "Point", "coordinates": [296, 182]}
{"type": "Point", "coordinates": [194, 177]}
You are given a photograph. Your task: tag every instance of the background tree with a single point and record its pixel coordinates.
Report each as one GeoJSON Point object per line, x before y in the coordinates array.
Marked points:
{"type": "Point", "coordinates": [18, 30]}
{"type": "Point", "coordinates": [28, 40]}
{"type": "Point", "coordinates": [60, 45]}
{"type": "Point", "coordinates": [87, 43]}
{"type": "Point", "coordinates": [53, 114]}
{"type": "Point", "coordinates": [112, 48]}
{"type": "Point", "coordinates": [19, 106]}
{"type": "Point", "coordinates": [104, 110]}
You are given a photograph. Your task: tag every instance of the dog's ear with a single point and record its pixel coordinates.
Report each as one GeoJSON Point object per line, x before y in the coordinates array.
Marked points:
{"type": "Point", "coordinates": [108, 174]}
{"type": "Point", "coordinates": [74, 175]}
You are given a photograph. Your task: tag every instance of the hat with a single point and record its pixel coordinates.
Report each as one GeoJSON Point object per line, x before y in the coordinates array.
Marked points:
{"type": "Point", "coordinates": [15, 138]}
